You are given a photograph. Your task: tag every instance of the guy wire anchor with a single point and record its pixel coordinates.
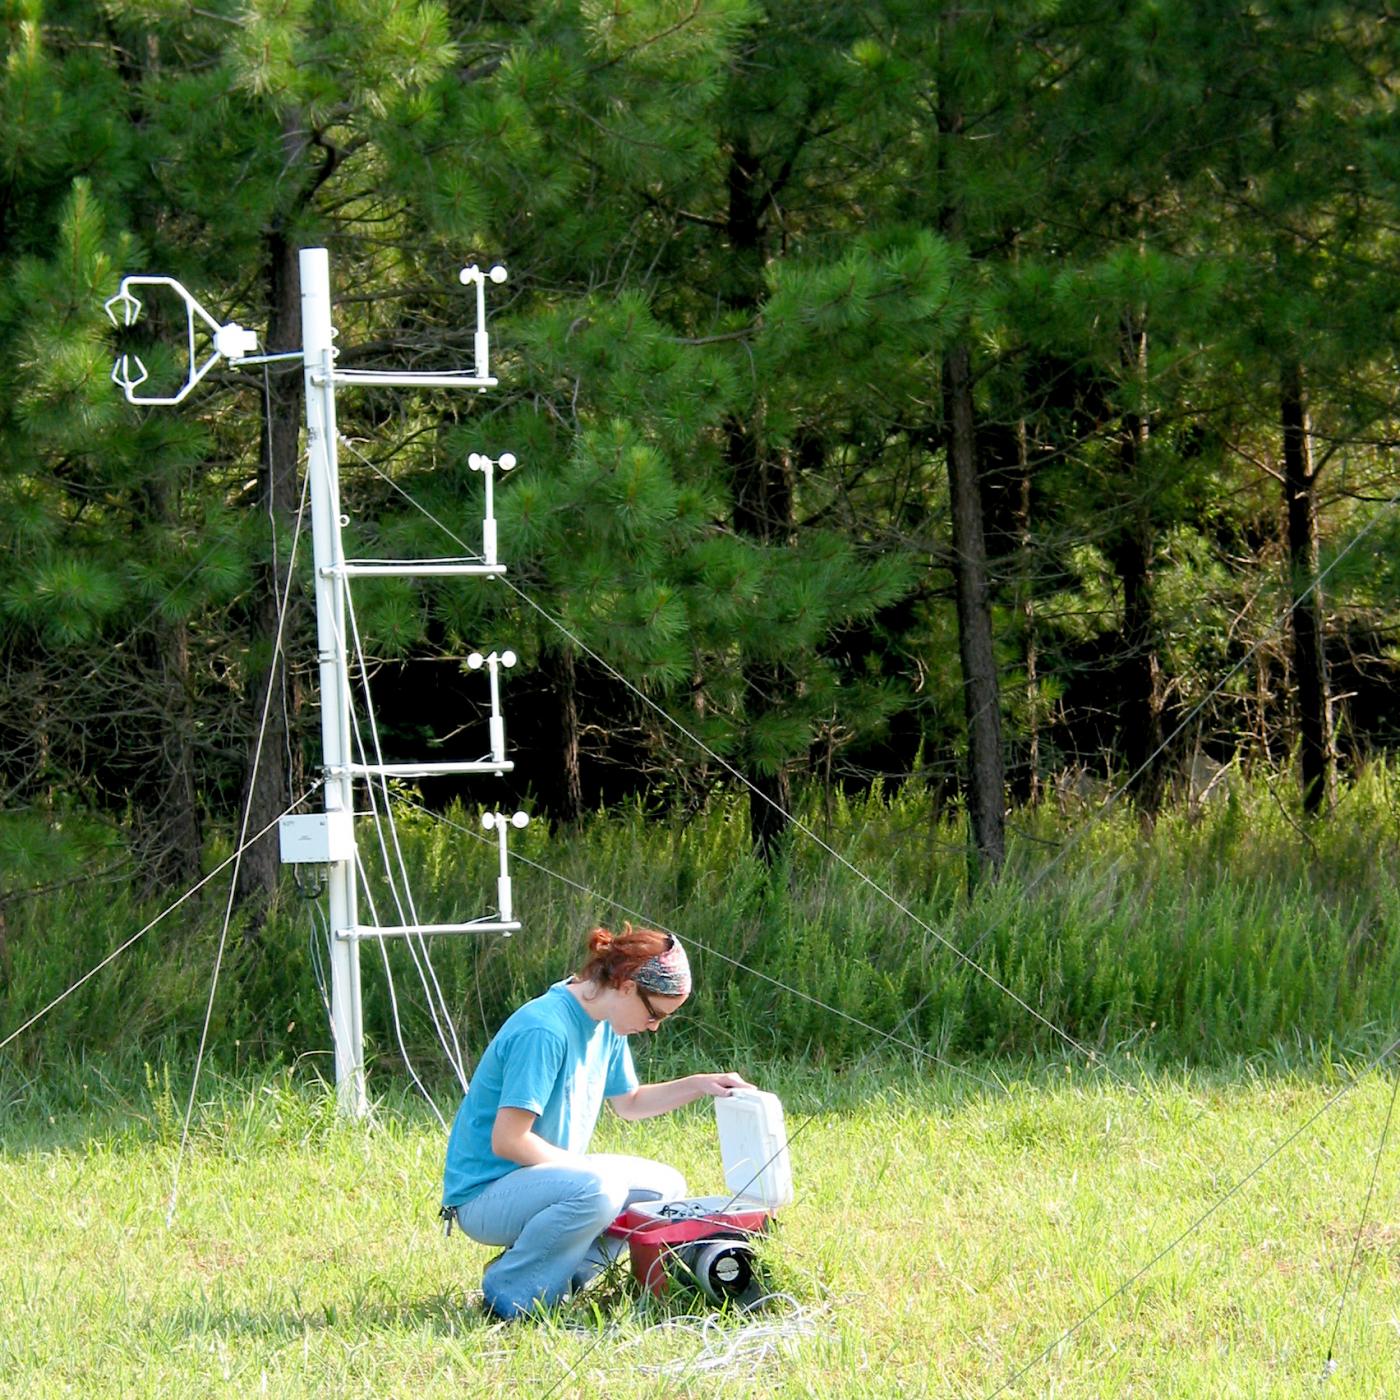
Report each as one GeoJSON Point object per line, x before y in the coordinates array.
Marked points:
{"type": "Point", "coordinates": [493, 662]}
{"type": "Point", "coordinates": [501, 822]}
{"type": "Point", "coordinates": [231, 341]}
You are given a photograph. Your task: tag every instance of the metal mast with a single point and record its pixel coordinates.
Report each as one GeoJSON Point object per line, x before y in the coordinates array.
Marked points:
{"type": "Point", "coordinates": [347, 1024]}
{"type": "Point", "coordinates": [329, 839]}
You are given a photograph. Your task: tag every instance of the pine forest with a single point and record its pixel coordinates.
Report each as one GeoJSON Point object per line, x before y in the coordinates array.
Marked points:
{"type": "Point", "coordinates": [989, 410]}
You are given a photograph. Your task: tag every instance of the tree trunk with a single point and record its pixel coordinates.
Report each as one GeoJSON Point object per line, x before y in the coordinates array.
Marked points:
{"type": "Point", "coordinates": [1141, 732]}
{"type": "Point", "coordinates": [762, 492]}
{"type": "Point", "coordinates": [986, 772]}
{"type": "Point", "coordinates": [986, 782]}
{"type": "Point", "coordinates": [1316, 754]}
{"type": "Point", "coordinates": [1141, 717]}
{"type": "Point", "coordinates": [762, 511]}
{"type": "Point", "coordinates": [561, 672]}
{"type": "Point", "coordinates": [1025, 606]}
{"type": "Point", "coordinates": [266, 791]}
{"type": "Point", "coordinates": [179, 839]}
{"type": "Point", "coordinates": [165, 800]}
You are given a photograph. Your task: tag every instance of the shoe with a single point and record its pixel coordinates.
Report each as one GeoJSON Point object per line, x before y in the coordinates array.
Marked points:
{"type": "Point", "coordinates": [488, 1310]}
{"type": "Point", "coordinates": [491, 1315]}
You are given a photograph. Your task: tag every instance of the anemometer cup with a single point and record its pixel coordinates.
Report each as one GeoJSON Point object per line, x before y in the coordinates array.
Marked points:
{"type": "Point", "coordinates": [480, 462]}
{"type": "Point", "coordinates": [472, 273]}
{"type": "Point", "coordinates": [475, 661]}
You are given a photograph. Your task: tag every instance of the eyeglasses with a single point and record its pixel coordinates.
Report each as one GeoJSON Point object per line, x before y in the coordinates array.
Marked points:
{"type": "Point", "coordinates": [652, 1013]}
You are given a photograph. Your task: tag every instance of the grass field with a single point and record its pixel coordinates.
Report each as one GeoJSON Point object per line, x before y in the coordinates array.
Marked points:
{"type": "Point", "coordinates": [953, 1234]}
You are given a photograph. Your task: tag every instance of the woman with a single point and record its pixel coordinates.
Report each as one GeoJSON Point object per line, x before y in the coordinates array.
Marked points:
{"type": "Point", "coordinates": [518, 1169]}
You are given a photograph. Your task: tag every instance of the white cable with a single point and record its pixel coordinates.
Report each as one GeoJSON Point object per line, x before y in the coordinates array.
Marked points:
{"type": "Point", "coordinates": [318, 971]}
{"type": "Point", "coordinates": [406, 917]}
{"type": "Point", "coordinates": [364, 883]}
{"type": "Point", "coordinates": [725, 1347]}
{"type": "Point", "coordinates": [437, 1000]}
{"type": "Point", "coordinates": [320, 932]}
{"type": "Point", "coordinates": [394, 1002]}
{"type": "Point", "coordinates": [410, 915]}
{"type": "Point", "coordinates": [393, 989]}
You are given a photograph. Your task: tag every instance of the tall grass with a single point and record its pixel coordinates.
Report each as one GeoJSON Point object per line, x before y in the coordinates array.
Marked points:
{"type": "Point", "coordinates": [1218, 932]}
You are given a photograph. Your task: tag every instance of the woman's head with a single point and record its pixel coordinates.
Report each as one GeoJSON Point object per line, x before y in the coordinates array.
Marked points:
{"type": "Point", "coordinates": [652, 959]}
{"type": "Point", "coordinates": [641, 965]}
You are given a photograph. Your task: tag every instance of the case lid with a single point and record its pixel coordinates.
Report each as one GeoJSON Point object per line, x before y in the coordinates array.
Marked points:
{"type": "Point", "coordinates": [753, 1144]}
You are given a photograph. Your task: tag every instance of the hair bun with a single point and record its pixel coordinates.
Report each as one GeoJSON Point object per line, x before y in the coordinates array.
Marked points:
{"type": "Point", "coordinates": [615, 957]}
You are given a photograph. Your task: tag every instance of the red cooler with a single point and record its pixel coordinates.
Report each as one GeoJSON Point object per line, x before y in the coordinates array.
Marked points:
{"type": "Point", "coordinates": [706, 1242]}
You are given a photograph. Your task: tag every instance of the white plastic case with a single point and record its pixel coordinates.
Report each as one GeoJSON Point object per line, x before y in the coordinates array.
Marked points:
{"type": "Point", "coordinates": [753, 1144]}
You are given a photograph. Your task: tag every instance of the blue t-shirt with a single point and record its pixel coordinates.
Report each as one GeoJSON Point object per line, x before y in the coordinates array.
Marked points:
{"type": "Point", "coordinates": [552, 1059]}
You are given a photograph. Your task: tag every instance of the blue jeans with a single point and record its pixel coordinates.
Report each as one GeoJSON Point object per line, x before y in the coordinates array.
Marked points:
{"type": "Point", "coordinates": [552, 1219]}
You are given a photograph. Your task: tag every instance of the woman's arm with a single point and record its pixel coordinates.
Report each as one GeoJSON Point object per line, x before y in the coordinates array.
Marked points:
{"type": "Point", "coordinates": [513, 1137]}
{"type": "Point", "coordinates": [647, 1100]}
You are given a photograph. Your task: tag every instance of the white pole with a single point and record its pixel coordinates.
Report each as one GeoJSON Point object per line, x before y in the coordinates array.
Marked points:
{"type": "Point", "coordinates": [488, 523]}
{"type": "Point", "coordinates": [316, 336]}
{"type": "Point", "coordinates": [498, 724]}
{"type": "Point", "coordinates": [483, 341]}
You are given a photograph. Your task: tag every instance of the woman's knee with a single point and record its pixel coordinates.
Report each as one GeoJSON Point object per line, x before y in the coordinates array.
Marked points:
{"type": "Point", "coordinates": [644, 1179]}
{"type": "Point", "coordinates": [659, 1183]}
{"type": "Point", "coordinates": [601, 1196]}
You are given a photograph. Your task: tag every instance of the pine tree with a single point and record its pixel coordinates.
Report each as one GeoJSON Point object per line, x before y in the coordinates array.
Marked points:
{"type": "Point", "coordinates": [95, 624]}
{"type": "Point", "coordinates": [663, 333]}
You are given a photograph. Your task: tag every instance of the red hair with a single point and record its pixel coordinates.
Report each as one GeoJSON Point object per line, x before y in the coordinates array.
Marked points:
{"type": "Point", "coordinates": [615, 957]}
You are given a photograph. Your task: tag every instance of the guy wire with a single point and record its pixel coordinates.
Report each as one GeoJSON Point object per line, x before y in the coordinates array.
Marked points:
{"type": "Point", "coordinates": [661, 927]}
{"type": "Point", "coordinates": [277, 658]}
{"type": "Point", "coordinates": [1091, 1056]}
{"type": "Point", "coordinates": [165, 913]}
{"type": "Point", "coordinates": [1195, 1224]}
{"type": "Point", "coordinates": [1162, 1253]}
{"type": "Point", "coordinates": [1361, 1225]}
{"type": "Point", "coordinates": [802, 826]}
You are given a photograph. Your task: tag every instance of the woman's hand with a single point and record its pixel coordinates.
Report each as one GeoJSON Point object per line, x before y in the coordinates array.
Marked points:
{"type": "Point", "coordinates": [651, 1099]}
{"type": "Point", "coordinates": [719, 1086]}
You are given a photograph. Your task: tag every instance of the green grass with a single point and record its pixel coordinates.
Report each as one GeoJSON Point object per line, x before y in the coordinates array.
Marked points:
{"type": "Point", "coordinates": [947, 1231]}
{"type": "Point", "coordinates": [951, 1230]}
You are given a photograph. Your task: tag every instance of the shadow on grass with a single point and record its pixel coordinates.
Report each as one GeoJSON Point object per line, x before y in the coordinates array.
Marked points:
{"type": "Point", "coordinates": [444, 1314]}
{"type": "Point", "coordinates": [448, 1314]}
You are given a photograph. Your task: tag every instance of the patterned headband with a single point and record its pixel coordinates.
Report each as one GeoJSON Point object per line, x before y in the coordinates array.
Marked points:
{"type": "Point", "coordinates": [668, 973]}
